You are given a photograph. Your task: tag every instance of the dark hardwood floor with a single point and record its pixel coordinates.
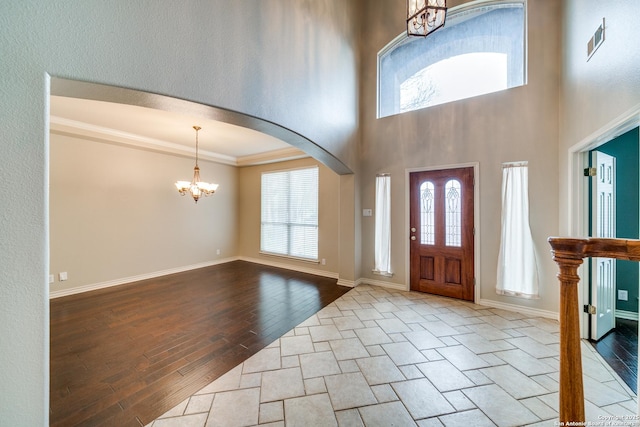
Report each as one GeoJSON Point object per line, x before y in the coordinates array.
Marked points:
{"type": "Point", "coordinates": [125, 355]}
{"type": "Point", "coordinates": [620, 349]}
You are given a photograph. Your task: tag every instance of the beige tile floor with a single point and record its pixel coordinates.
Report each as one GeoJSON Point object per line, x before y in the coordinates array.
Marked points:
{"type": "Point", "coordinates": [379, 357]}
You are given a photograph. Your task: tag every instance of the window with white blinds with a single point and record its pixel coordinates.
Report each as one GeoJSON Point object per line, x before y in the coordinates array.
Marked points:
{"type": "Point", "coordinates": [289, 217]}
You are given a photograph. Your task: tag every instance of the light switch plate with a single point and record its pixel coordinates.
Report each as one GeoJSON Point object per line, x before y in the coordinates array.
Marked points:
{"type": "Point", "coordinates": [367, 212]}
{"type": "Point", "coordinates": [623, 295]}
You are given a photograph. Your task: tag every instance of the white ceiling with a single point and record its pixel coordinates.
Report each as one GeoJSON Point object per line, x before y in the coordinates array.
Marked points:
{"type": "Point", "coordinates": [167, 132]}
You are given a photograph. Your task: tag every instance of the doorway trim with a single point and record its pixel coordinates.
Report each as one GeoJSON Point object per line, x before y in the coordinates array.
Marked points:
{"type": "Point", "coordinates": [476, 220]}
{"type": "Point", "coordinates": [578, 190]}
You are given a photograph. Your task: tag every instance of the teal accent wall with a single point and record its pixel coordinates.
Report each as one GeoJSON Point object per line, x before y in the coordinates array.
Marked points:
{"type": "Point", "coordinates": [625, 149]}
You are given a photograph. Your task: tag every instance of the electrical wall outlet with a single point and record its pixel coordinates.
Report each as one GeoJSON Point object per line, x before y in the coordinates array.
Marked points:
{"type": "Point", "coordinates": [63, 276]}
{"type": "Point", "coordinates": [217, 251]}
{"type": "Point", "coordinates": [52, 278]}
{"type": "Point", "coordinates": [623, 295]}
{"type": "Point", "coordinates": [324, 261]}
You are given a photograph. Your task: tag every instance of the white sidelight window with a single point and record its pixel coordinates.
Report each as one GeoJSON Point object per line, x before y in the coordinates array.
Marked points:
{"type": "Point", "coordinates": [382, 262]}
{"type": "Point", "coordinates": [289, 215]}
{"type": "Point", "coordinates": [517, 268]}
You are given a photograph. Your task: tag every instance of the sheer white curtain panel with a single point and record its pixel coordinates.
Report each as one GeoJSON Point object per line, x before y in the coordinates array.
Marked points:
{"type": "Point", "coordinates": [382, 262]}
{"type": "Point", "coordinates": [517, 267]}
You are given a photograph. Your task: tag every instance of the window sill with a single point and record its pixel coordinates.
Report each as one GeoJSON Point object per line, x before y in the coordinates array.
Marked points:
{"type": "Point", "coordinates": [294, 258]}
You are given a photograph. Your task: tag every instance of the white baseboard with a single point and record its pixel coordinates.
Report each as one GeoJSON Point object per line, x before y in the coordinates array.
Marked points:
{"type": "Point", "coordinates": [382, 284]}
{"type": "Point", "coordinates": [301, 269]}
{"type": "Point", "coordinates": [489, 303]}
{"type": "Point", "coordinates": [330, 274]}
{"type": "Point", "coordinates": [518, 308]}
{"type": "Point", "coordinates": [347, 283]}
{"type": "Point", "coordinates": [124, 280]}
{"type": "Point", "coordinates": [629, 315]}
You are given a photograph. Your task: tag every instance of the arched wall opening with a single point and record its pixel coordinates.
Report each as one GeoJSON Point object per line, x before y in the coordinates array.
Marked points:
{"type": "Point", "coordinates": [86, 215]}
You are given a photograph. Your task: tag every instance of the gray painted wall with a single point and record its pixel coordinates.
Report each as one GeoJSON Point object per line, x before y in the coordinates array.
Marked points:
{"type": "Point", "coordinates": [294, 63]}
{"type": "Point", "coordinates": [512, 125]}
{"type": "Point", "coordinates": [290, 62]}
{"type": "Point", "coordinates": [600, 99]}
{"type": "Point", "coordinates": [598, 93]}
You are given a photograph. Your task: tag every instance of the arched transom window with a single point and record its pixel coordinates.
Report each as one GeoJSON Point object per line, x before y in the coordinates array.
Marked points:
{"type": "Point", "coordinates": [480, 50]}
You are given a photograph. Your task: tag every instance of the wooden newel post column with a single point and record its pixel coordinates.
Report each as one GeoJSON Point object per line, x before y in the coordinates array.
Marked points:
{"type": "Point", "coordinates": [568, 254]}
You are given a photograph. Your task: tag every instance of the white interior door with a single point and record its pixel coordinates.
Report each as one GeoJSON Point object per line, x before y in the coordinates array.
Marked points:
{"type": "Point", "coordinates": [603, 273]}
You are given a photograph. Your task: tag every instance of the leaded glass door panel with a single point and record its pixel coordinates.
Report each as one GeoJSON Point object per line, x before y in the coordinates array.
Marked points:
{"type": "Point", "coordinates": [441, 232]}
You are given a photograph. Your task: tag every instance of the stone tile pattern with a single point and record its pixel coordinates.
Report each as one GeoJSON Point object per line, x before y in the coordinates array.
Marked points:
{"type": "Point", "coordinates": [381, 357]}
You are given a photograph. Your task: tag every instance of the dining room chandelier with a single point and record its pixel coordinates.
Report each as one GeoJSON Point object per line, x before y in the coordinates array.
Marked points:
{"type": "Point", "coordinates": [425, 16]}
{"type": "Point", "coordinates": [196, 188]}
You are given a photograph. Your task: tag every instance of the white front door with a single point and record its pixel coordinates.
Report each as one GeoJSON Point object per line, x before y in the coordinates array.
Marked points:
{"type": "Point", "coordinates": [603, 273]}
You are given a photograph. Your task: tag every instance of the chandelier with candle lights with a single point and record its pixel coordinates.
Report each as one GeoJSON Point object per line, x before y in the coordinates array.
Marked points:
{"type": "Point", "coordinates": [425, 16]}
{"type": "Point", "coordinates": [196, 188]}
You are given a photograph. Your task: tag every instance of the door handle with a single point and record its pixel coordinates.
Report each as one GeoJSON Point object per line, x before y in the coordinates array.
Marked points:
{"type": "Point", "coordinates": [413, 229]}
{"type": "Point", "coordinates": [413, 237]}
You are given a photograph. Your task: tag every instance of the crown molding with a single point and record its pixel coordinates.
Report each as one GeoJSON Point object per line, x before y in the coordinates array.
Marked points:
{"type": "Point", "coordinates": [61, 125]}
{"type": "Point", "coordinates": [290, 153]}
{"type": "Point", "coordinates": [76, 128]}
